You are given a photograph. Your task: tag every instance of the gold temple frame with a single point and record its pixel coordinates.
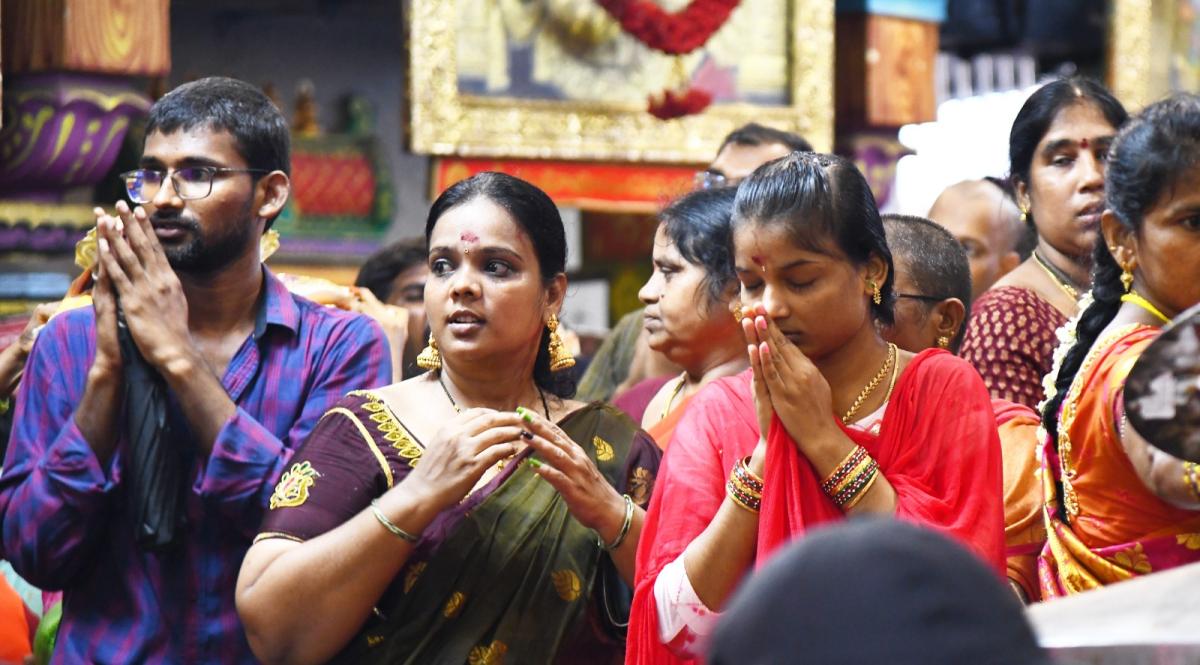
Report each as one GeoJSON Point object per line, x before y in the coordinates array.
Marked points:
{"type": "Point", "coordinates": [445, 122]}
{"type": "Point", "coordinates": [1141, 39]}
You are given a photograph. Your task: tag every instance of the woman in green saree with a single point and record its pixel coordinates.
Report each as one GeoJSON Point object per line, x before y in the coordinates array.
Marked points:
{"type": "Point", "coordinates": [473, 514]}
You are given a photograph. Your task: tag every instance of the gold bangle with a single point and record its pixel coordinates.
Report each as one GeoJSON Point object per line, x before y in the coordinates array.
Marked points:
{"type": "Point", "coordinates": [853, 474]}
{"type": "Point", "coordinates": [387, 524]}
{"type": "Point", "coordinates": [861, 493]}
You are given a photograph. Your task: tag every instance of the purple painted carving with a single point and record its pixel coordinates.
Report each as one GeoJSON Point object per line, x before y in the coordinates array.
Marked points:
{"type": "Point", "coordinates": [62, 131]}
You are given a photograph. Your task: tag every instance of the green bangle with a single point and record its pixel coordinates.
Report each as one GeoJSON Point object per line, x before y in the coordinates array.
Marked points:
{"type": "Point", "coordinates": [5, 405]}
{"type": "Point", "coordinates": [387, 524]}
{"type": "Point", "coordinates": [624, 528]}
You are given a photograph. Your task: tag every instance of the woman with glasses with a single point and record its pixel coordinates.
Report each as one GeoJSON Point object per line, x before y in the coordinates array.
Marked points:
{"type": "Point", "coordinates": [931, 263]}
{"type": "Point", "coordinates": [475, 513]}
{"type": "Point", "coordinates": [1057, 149]}
{"type": "Point", "coordinates": [831, 420]}
{"type": "Point", "coordinates": [687, 303]}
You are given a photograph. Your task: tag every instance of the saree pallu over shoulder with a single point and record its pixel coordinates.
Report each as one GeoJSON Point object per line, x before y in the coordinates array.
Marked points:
{"type": "Point", "coordinates": [1103, 525]}
{"type": "Point", "coordinates": [937, 446]}
{"type": "Point", "coordinates": [513, 576]}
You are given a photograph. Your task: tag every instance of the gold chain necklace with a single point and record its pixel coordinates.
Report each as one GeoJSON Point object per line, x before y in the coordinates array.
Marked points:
{"type": "Point", "coordinates": [674, 394]}
{"type": "Point", "coordinates": [888, 363]}
{"type": "Point", "coordinates": [545, 407]}
{"type": "Point", "coordinates": [1062, 283]}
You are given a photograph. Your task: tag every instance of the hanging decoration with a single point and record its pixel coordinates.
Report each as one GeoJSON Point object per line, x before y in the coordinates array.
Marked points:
{"type": "Point", "coordinates": [674, 33]}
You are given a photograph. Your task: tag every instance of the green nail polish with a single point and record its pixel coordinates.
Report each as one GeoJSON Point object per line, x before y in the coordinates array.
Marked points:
{"type": "Point", "coordinates": [525, 414]}
{"type": "Point", "coordinates": [535, 463]}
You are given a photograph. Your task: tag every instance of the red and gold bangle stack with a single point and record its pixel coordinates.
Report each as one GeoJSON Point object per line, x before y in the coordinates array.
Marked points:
{"type": "Point", "coordinates": [744, 487]}
{"type": "Point", "coordinates": [851, 480]}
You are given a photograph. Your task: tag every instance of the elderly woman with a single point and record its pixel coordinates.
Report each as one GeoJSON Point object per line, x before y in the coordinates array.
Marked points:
{"type": "Point", "coordinates": [933, 284]}
{"type": "Point", "coordinates": [687, 303]}
{"type": "Point", "coordinates": [471, 514]}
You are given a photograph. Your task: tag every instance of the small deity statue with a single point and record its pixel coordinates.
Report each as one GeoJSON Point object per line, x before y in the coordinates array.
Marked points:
{"type": "Point", "coordinates": [304, 121]}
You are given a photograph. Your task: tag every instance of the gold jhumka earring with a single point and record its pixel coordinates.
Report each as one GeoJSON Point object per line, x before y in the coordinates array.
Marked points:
{"type": "Point", "coordinates": [430, 358]}
{"type": "Point", "coordinates": [1126, 279]}
{"type": "Point", "coordinates": [943, 342]}
{"type": "Point", "coordinates": [560, 357]}
{"type": "Point", "coordinates": [876, 297]}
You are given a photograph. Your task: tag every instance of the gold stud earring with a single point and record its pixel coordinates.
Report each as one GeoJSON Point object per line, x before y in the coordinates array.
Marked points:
{"type": "Point", "coordinates": [430, 358]}
{"type": "Point", "coordinates": [560, 357]}
{"type": "Point", "coordinates": [876, 296]}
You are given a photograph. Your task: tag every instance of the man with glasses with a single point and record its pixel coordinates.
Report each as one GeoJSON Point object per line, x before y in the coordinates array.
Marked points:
{"type": "Point", "coordinates": [248, 369]}
{"type": "Point", "coordinates": [745, 149]}
{"type": "Point", "coordinates": [933, 284]}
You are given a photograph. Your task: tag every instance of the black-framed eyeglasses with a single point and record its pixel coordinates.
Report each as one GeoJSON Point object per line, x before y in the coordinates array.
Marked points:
{"type": "Point", "coordinates": [913, 296]}
{"type": "Point", "coordinates": [709, 179]}
{"type": "Point", "coordinates": [190, 182]}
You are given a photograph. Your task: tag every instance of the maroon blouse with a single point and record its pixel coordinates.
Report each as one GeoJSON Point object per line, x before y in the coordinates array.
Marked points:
{"type": "Point", "coordinates": [1010, 340]}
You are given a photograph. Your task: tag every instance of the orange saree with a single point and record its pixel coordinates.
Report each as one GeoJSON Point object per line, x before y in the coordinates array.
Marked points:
{"type": "Point", "coordinates": [1102, 524]}
{"type": "Point", "coordinates": [662, 430]}
{"type": "Point", "coordinates": [1024, 528]}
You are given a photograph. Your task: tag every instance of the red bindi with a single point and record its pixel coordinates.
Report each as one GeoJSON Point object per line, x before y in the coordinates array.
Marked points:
{"type": "Point", "coordinates": [1083, 144]}
{"type": "Point", "coordinates": [467, 236]}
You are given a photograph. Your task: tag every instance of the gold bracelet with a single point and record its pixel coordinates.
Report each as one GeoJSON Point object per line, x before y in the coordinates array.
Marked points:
{"type": "Point", "coordinates": [387, 524]}
{"type": "Point", "coordinates": [624, 528]}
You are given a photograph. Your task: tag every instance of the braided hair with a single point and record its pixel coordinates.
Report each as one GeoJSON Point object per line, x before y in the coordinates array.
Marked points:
{"type": "Point", "coordinates": [1145, 162]}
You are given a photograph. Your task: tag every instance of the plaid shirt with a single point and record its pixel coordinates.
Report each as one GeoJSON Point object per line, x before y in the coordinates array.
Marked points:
{"type": "Point", "coordinates": [66, 524]}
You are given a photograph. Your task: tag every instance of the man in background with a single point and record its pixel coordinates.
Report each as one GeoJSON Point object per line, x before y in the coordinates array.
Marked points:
{"type": "Point", "coordinates": [396, 276]}
{"type": "Point", "coordinates": [985, 219]}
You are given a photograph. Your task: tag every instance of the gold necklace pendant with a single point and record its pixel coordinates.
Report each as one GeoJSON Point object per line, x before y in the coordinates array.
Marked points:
{"type": "Point", "coordinates": [1067, 288]}
{"type": "Point", "coordinates": [888, 363]}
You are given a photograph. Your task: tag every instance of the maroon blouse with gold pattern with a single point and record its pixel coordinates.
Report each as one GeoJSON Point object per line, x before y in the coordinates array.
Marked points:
{"type": "Point", "coordinates": [1010, 340]}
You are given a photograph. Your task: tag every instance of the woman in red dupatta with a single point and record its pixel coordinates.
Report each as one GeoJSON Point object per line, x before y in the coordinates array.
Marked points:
{"type": "Point", "coordinates": [816, 274]}
{"type": "Point", "coordinates": [1115, 507]}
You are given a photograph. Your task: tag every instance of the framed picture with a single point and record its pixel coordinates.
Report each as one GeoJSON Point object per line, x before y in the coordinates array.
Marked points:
{"type": "Point", "coordinates": [1154, 49]}
{"type": "Point", "coordinates": [559, 79]}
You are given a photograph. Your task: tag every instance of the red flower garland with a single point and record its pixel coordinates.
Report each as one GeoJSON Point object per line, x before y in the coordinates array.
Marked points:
{"type": "Point", "coordinates": [671, 105]}
{"type": "Point", "coordinates": [679, 33]}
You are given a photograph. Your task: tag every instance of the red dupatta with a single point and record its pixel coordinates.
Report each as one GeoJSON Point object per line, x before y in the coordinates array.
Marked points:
{"type": "Point", "coordinates": [937, 447]}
